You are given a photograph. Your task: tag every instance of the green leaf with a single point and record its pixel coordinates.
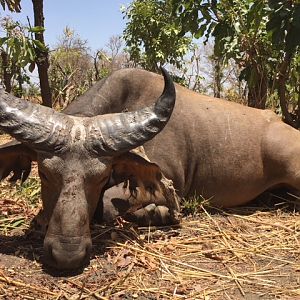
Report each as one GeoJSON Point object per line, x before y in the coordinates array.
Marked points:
{"type": "Point", "coordinates": [36, 29]}
{"type": "Point", "coordinates": [39, 45]}
{"type": "Point", "coordinates": [3, 40]}
{"type": "Point", "coordinates": [200, 32]}
{"type": "Point", "coordinates": [30, 52]}
{"type": "Point", "coordinates": [17, 223]}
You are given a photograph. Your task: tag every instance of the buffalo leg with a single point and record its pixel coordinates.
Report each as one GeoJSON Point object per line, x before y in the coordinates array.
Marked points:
{"type": "Point", "coordinates": [153, 214]}
{"type": "Point", "coordinates": [142, 208]}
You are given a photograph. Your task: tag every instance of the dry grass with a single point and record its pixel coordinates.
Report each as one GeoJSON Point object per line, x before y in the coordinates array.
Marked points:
{"type": "Point", "coordinates": [247, 253]}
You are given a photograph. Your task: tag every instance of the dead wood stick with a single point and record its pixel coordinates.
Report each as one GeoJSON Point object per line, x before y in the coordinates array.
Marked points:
{"type": "Point", "coordinates": [25, 285]}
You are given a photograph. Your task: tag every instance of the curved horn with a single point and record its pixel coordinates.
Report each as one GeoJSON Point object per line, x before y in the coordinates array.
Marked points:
{"type": "Point", "coordinates": [40, 127]}
{"type": "Point", "coordinates": [117, 133]}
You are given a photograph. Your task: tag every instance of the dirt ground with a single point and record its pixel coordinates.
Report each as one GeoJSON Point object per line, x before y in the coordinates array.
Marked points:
{"type": "Point", "coordinates": [245, 253]}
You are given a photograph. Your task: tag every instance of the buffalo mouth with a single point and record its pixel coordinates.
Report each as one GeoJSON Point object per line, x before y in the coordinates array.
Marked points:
{"type": "Point", "coordinates": [67, 253]}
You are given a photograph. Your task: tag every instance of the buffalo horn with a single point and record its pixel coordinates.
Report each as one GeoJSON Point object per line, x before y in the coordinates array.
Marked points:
{"type": "Point", "coordinates": [40, 127]}
{"type": "Point", "coordinates": [117, 133]}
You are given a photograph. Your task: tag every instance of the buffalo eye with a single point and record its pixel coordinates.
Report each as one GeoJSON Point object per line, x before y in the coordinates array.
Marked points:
{"type": "Point", "coordinates": [43, 177]}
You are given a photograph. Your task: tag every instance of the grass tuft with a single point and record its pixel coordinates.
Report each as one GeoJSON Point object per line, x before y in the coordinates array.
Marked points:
{"type": "Point", "coordinates": [191, 206]}
{"type": "Point", "coordinates": [30, 190]}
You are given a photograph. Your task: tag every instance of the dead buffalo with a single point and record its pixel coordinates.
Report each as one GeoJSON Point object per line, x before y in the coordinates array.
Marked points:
{"type": "Point", "coordinates": [77, 157]}
{"type": "Point", "coordinates": [211, 147]}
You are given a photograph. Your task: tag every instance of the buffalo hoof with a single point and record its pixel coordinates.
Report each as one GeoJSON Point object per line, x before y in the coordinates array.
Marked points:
{"type": "Point", "coordinates": [152, 214]}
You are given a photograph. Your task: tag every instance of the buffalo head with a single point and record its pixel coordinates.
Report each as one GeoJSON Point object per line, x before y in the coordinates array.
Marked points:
{"type": "Point", "coordinates": [77, 157]}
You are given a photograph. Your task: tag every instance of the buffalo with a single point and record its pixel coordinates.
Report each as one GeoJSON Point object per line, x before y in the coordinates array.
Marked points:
{"type": "Point", "coordinates": [113, 152]}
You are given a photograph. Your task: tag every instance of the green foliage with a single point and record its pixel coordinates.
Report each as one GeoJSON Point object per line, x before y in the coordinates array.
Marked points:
{"type": "Point", "coordinates": [8, 224]}
{"type": "Point", "coordinates": [284, 24]}
{"type": "Point", "coordinates": [70, 68]}
{"type": "Point", "coordinates": [73, 69]}
{"type": "Point", "coordinates": [191, 205]}
{"type": "Point", "coordinates": [18, 50]}
{"type": "Point", "coordinates": [36, 29]}
{"type": "Point", "coordinates": [197, 17]}
{"type": "Point", "coordinates": [152, 34]}
{"type": "Point", "coordinates": [16, 43]}
{"type": "Point", "coordinates": [237, 27]}
{"type": "Point", "coordinates": [17, 203]}
{"type": "Point", "coordinates": [283, 28]}
{"type": "Point", "coordinates": [255, 34]}
{"type": "Point", "coordinates": [30, 190]}
{"type": "Point", "coordinates": [180, 79]}
{"type": "Point", "coordinates": [32, 92]}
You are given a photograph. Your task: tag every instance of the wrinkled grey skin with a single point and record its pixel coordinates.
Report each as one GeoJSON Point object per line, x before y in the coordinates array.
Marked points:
{"type": "Point", "coordinates": [71, 185]}
{"type": "Point", "coordinates": [219, 149]}
{"type": "Point", "coordinates": [77, 156]}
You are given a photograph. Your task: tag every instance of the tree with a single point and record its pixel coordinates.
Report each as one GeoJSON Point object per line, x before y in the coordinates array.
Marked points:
{"type": "Point", "coordinates": [284, 26]}
{"type": "Point", "coordinates": [18, 51]}
{"type": "Point", "coordinates": [200, 71]}
{"type": "Point", "coordinates": [151, 34]}
{"type": "Point", "coordinates": [37, 44]}
{"type": "Point", "coordinates": [13, 6]}
{"type": "Point", "coordinates": [111, 58]}
{"type": "Point", "coordinates": [114, 49]}
{"type": "Point", "coordinates": [71, 68]}
{"type": "Point", "coordinates": [261, 36]}
{"type": "Point", "coordinates": [42, 60]}
{"type": "Point", "coordinates": [237, 27]}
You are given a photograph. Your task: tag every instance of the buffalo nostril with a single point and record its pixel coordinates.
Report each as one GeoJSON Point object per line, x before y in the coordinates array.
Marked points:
{"type": "Point", "coordinates": [67, 253]}
{"type": "Point", "coordinates": [48, 250]}
{"type": "Point", "coordinates": [64, 258]}
{"type": "Point", "coordinates": [88, 248]}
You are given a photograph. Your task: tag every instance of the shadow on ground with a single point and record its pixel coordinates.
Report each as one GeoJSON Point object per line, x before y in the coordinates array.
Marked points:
{"type": "Point", "coordinates": [282, 198]}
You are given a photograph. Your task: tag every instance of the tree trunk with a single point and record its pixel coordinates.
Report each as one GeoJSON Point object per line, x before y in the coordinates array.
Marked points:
{"type": "Point", "coordinates": [7, 74]}
{"type": "Point", "coordinates": [298, 109]}
{"type": "Point", "coordinates": [218, 74]}
{"type": "Point", "coordinates": [42, 56]}
{"type": "Point", "coordinates": [97, 73]}
{"type": "Point", "coordinates": [257, 95]}
{"type": "Point", "coordinates": [282, 77]}
{"type": "Point", "coordinates": [19, 90]}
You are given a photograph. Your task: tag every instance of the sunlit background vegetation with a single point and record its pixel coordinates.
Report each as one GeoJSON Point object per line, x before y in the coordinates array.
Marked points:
{"type": "Point", "coordinates": [241, 50]}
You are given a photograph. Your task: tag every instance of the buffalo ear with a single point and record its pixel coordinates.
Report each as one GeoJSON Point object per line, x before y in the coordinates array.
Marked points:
{"type": "Point", "coordinates": [15, 157]}
{"type": "Point", "coordinates": [135, 171]}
